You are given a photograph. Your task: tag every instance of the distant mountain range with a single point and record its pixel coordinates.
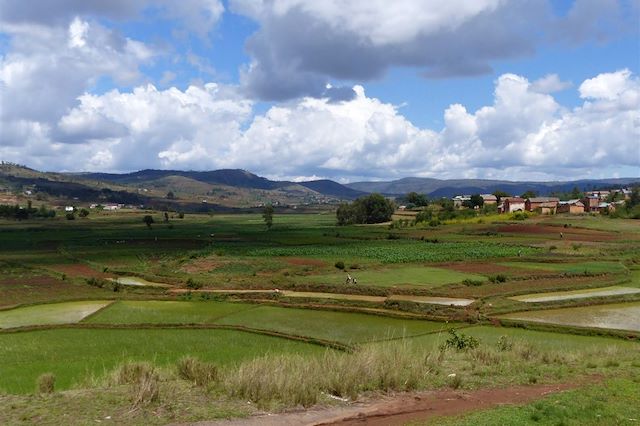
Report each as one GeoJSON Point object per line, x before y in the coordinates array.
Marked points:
{"type": "Point", "coordinates": [448, 188]}
{"type": "Point", "coordinates": [230, 177]}
{"type": "Point", "coordinates": [231, 188]}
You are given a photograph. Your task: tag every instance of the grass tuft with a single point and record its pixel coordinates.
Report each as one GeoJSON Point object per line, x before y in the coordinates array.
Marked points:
{"type": "Point", "coordinates": [196, 371]}
{"type": "Point", "coordinates": [45, 384]}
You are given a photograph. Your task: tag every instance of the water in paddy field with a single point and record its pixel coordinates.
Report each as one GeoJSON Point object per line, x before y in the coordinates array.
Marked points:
{"type": "Point", "coordinates": [619, 316]}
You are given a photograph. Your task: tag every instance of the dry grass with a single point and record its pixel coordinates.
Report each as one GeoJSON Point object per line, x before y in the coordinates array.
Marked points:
{"type": "Point", "coordinates": [144, 379]}
{"type": "Point", "coordinates": [196, 371]}
{"type": "Point", "coordinates": [46, 383]}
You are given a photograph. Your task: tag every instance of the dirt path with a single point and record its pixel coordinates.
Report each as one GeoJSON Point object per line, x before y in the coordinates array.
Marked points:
{"type": "Point", "coordinates": [400, 409]}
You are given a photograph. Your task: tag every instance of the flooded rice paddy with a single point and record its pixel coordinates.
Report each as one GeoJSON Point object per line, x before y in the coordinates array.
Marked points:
{"type": "Point", "coordinates": [576, 294]}
{"type": "Point", "coordinates": [618, 316]}
{"type": "Point", "coordinates": [54, 313]}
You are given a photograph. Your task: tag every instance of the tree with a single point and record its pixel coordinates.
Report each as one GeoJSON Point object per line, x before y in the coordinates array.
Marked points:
{"type": "Point", "coordinates": [372, 208]}
{"type": "Point", "coordinates": [476, 200]}
{"type": "Point", "coordinates": [416, 199]}
{"type": "Point", "coordinates": [500, 194]}
{"type": "Point", "coordinates": [267, 215]}
{"type": "Point", "coordinates": [529, 194]}
{"type": "Point", "coordinates": [148, 220]}
{"type": "Point", "coordinates": [166, 217]}
{"type": "Point", "coordinates": [170, 195]}
{"type": "Point", "coordinates": [634, 198]}
{"type": "Point", "coordinates": [576, 193]}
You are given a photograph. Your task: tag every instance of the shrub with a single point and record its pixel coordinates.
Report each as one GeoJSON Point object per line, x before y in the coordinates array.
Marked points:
{"type": "Point", "coordinates": [339, 264]}
{"type": "Point", "coordinates": [472, 283]}
{"type": "Point", "coordinates": [46, 383]}
{"type": "Point", "coordinates": [500, 278]}
{"type": "Point", "coordinates": [196, 371]}
{"type": "Point", "coordinates": [70, 216]}
{"type": "Point", "coordinates": [459, 342]}
{"type": "Point", "coordinates": [504, 344]}
{"type": "Point", "coordinates": [193, 284]}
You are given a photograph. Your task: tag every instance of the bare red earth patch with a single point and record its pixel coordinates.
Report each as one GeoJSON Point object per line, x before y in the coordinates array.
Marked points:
{"type": "Point", "coordinates": [202, 265]}
{"type": "Point", "coordinates": [79, 270]}
{"type": "Point", "coordinates": [301, 261]}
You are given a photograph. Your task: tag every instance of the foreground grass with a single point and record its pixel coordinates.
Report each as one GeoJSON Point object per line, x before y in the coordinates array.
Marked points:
{"type": "Point", "coordinates": [615, 402]}
{"type": "Point", "coordinates": [75, 354]}
{"type": "Point", "coordinates": [196, 390]}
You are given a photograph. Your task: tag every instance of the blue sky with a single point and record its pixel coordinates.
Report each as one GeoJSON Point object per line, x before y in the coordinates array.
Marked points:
{"type": "Point", "coordinates": [346, 90]}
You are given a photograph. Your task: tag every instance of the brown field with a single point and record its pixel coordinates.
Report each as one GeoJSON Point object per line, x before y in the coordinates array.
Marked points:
{"type": "Point", "coordinates": [79, 270]}
{"type": "Point", "coordinates": [43, 288]}
{"type": "Point", "coordinates": [301, 261]}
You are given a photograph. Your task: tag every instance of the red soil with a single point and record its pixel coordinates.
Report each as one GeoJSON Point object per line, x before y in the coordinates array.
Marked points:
{"type": "Point", "coordinates": [304, 261]}
{"type": "Point", "coordinates": [79, 270]}
{"type": "Point", "coordinates": [399, 411]}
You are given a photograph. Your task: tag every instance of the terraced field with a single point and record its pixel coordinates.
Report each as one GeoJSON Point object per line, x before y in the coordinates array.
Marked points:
{"type": "Point", "coordinates": [48, 314]}
{"type": "Point", "coordinates": [621, 316]}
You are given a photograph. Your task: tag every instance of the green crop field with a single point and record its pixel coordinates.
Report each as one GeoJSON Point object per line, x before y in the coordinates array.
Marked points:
{"type": "Point", "coordinates": [593, 267]}
{"type": "Point", "coordinates": [422, 276]}
{"type": "Point", "coordinates": [336, 326]}
{"type": "Point", "coordinates": [166, 312]}
{"type": "Point", "coordinates": [74, 355]}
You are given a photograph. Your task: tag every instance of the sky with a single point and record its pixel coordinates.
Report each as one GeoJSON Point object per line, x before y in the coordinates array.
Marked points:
{"type": "Point", "coordinates": [347, 90]}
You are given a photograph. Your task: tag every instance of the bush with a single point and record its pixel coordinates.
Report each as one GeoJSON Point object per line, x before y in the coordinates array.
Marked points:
{"type": "Point", "coordinates": [193, 284]}
{"type": "Point", "coordinates": [46, 383]}
{"type": "Point", "coordinates": [504, 344]}
{"type": "Point", "coordinates": [459, 342]}
{"type": "Point", "coordinates": [196, 371]}
{"type": "Point", "coordinates": [83, 213]}
{"type": "Point", "coordinates": [70, 216]}
{"type": "Point", "coordinates": [339, 264]}
{"type": "Point", "coordinates": [472, 283]}
{"type": "Point", "coordinates": [500, 278]}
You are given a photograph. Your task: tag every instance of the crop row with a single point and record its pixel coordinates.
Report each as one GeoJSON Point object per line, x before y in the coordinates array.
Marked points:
{"type": "Point", "coordinates": [400, 251]}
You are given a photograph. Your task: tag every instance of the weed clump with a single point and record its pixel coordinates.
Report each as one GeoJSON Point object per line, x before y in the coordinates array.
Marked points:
{"type": "Point", "coordinates": [459, 342]}
{"type": "Point", "coordinates": [500, 278]}
{"type": "Point", "coordinates": [339, 264]}
{"type": "Point", "coordinates": [45, 384]}
{"type": "Point", "coordinates": [472, 283]}
{"type": "Point", "coordinates": [196, 371]}
{"type": "Point", "coordinates": [144, 380]}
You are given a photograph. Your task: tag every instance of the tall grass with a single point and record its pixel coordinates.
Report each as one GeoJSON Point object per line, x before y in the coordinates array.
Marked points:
{"type": "Point", "coordinates": [294, 380]}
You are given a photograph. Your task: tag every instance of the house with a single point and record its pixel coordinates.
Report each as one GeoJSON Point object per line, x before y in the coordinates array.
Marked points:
{"type": "Point", "coordinates": [591, 203]}
{"type": "Point", "coordinates": [606, 207]}
{"type": "Point", "coordinates": [512, 204]}
{"type": "Point", "coordinates": [571, 206]}
{"type": "Point", "coordinates": [458, 200]}
{"type": "Point", "coordinates": [489, 198]}
{"type": "Point", "coordinates": [600, 194]}
{"type": "Point", "coordinates": [68, 209]}
{"type": "Point", "coordinates": [548, 208]}
{"type": "Point", "coordinates": [111, 207]}
{"type": "Point", "coordinates": [535, 203]}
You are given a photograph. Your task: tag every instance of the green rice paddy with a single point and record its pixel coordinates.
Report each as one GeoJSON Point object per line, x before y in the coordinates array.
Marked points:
{"type": "Point", "coordinates": [76, 354]}
{"type": "Point", "coordinates": [54, 313]}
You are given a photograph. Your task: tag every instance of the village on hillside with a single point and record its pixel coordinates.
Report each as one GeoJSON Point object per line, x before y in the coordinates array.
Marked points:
{"type": "Point", "coordinates": [600, 201]}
